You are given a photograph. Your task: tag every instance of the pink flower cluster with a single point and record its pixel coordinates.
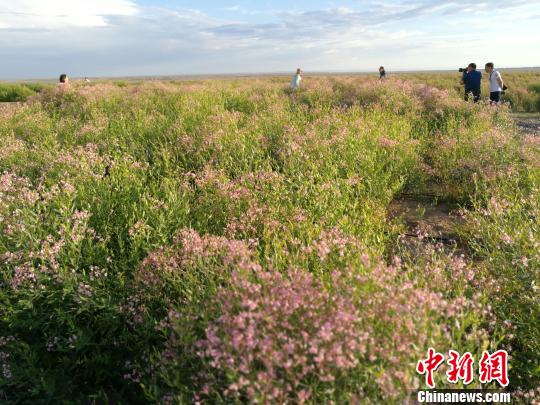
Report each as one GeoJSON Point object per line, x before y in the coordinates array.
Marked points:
{"type": "Point", "coordinates": [280, 336]}
{"type": "Point", "coordinates": [190, 249]}
{"type": "Point", "coordinates": [190, 256]}
{"type": "Point", "coordinates": [278, 332]}
{"type": "Point", "coordinates": [334, 242]}
{"type": "Point", "coordinates": [15, 192]}
{"type": "Point", "coordinates": [31, 267]}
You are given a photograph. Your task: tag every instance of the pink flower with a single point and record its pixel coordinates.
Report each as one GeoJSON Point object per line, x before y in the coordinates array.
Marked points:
{"type": "Point", "coordinates": [506, 239]}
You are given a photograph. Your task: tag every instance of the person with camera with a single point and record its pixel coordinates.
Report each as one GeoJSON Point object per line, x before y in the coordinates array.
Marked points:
{"type": "Point", "coordinates": [496, 85]}
{"type": "Point", "coordinates": [472, 79]}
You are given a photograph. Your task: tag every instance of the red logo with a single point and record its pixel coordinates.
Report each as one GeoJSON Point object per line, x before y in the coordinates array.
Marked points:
{"type": "Point", "coordinates": [494, 367]}
{"type": "Point", "coordinates": [491, 367]}
{"type": "Point", "coordinates": [429, 365]}
{"type": "Point", "coordinates": [461, 368]}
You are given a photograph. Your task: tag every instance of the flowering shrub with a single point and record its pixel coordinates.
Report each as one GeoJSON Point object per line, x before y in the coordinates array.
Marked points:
{"type": "Point", "coordinates": [278, 335]}
{"type": "Point", "coordinates": [193, 264]}
{"type": "Point", "coordinates": [504, 231]}
{"type": "Point", "coordinates": [293, 338]}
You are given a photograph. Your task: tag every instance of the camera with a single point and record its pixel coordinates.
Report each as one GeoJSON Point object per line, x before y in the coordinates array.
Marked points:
{"type": "Point", "coordinates": [461, 70]}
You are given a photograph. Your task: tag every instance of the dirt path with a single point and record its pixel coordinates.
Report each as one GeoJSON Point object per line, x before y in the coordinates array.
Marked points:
{"type": "Point", "coordinates": [528, 123]}
{"type": "Point", "coordinates": [429, 221]}
{"type": "Point", "coordinates": [439, 218]}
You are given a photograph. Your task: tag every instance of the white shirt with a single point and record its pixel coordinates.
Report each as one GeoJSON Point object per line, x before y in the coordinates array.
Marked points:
{"type": "Point", "coordinates": [295, 83]}
{"type": "Point", "coordinates": [493, 83]}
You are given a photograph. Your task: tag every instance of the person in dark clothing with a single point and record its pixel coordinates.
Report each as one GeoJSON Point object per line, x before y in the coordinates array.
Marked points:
{"type": "Point", "coordinates": [472, 79]}
{"type": "Point", "coordinates": [382, 73]}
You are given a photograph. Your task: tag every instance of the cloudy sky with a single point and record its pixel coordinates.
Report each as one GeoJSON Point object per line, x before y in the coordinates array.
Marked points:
{"type": "Point", "coordinates": [41, 38]}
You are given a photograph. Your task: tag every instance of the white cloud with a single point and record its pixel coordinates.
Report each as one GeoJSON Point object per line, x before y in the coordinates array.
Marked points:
{"type": "Point", "coordinates": [40, 14]}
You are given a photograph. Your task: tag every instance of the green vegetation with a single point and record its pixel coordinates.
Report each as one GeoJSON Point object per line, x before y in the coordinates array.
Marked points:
{"type": "Point", "coordinates": [19, 92]}
{"type": "Point", "coordinates": [229, 241]}
{"type": "Point", "coordinates": [523, 92]}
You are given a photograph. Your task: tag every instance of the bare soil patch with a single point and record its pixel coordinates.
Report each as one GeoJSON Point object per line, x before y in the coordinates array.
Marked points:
{"type": "Point", "coordinates": [430, 221]}
{"type": "Point", "coordinates": [529, 124]}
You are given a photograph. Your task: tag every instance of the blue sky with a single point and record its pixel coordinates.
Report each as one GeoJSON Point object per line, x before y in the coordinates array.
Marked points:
{"type": "Point", "coordinates": [39, 39]}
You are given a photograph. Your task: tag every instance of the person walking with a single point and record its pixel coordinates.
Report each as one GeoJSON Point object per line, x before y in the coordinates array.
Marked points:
{"type": "Point", "coordinates": [496, 84]}
{"type": "Point", "coordinates": [297, 78]}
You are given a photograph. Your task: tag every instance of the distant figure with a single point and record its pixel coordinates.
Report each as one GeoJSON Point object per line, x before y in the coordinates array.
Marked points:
{"type": "Point", "coordinates": [382, 73]}
{"type": "Point", "coordinates": [86, 80]}
{"type": "Point", "coordinates": [496, 85]}
{"type": "Point", "coordinates": [472, 79]}
{"type": "Point", "coordinates": [297, 78]}
{"type": "Point", "coordinates": [63, 81]}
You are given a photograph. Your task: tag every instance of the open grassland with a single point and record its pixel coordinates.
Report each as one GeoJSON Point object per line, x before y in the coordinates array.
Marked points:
{"type": "Point", "coordinates": [230, 241]}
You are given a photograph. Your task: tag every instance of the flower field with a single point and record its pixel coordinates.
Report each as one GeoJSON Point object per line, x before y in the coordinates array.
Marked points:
{"type": "Point", "coordinates": [229, 242]}
{"type": "Point", "coordinates": [523, 92]}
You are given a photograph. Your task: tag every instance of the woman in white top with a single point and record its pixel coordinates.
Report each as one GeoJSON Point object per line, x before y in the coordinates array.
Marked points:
{"type": "Point", "coordinates": [297, 78]}
{"type": "Point", "coordinates": [495, 83]}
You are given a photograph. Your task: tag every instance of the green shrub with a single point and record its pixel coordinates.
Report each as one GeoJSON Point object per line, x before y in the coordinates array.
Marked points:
{"type": "Point", "coordinates": [19, 92]}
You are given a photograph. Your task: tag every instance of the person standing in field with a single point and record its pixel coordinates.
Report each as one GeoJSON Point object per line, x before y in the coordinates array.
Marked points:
{"type": "Point", "coordinates": [382, 73]}
{"type": "Point", "coordinates": [472, 79]}
{"type": "Point", "coordinates": [496, 84]}
{"type": "Point", "coordinates": [297, 78]}
{"type": "Point", "coordinates": [63, 81]}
